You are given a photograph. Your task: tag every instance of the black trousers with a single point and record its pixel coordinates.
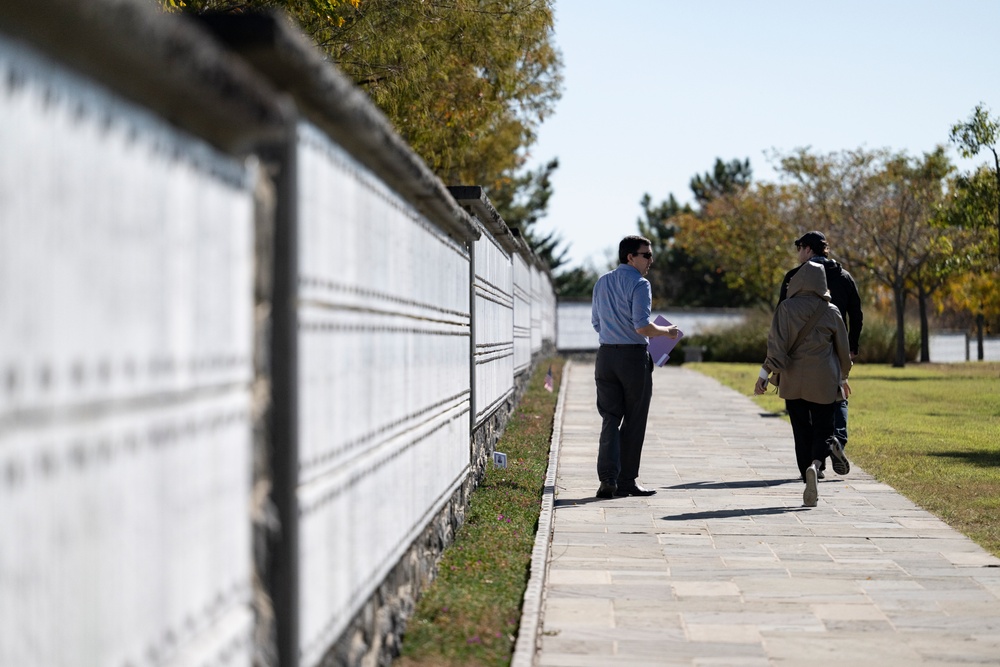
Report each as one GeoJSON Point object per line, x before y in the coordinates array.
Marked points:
{"type": "Point", "coordinates": [624, 377]}
{"type": "Point", "coordinates": [812, 426]}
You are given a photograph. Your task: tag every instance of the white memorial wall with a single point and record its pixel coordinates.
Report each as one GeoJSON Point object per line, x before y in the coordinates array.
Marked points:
{"type": "Point", "coordinates": [384, 395]}
{"type": "Point", "coordinates": [494, 325]}
{"type": "Point", "coordinates": [548, 317]}
{"type": "Point", "coordinates": [137, 412]}
{"type": "Point", "coordinates": [536, 308]}
{"type": "Point", "coordinates": [522, 314]}
{"type": "Point", "coordinates": [126, 259]}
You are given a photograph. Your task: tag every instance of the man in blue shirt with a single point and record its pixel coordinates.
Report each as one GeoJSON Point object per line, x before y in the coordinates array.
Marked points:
{"type": "Point", "coordinates": [624, 370]}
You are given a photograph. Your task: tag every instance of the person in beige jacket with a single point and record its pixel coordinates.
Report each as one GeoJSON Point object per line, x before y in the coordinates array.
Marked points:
{"type": "Point", "coordinates": [813, 370]}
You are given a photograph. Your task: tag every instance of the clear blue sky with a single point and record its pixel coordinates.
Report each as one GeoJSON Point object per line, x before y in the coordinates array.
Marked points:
{"type": "Point", "coordinates": [656, 90]}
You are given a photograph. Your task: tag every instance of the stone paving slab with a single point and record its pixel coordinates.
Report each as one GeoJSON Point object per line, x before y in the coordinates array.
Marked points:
{"type": "Point", "coordinates": [724, 566]}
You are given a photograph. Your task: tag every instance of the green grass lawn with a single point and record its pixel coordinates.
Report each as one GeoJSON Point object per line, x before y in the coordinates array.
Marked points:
{"type": "Point", "coordinates": [931, 431]}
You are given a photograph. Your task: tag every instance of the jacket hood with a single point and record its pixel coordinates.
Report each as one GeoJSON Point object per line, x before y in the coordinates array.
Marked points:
{"type": "Point", "coordinates": [810, 279]}
{"type": "Point", "coordinates": [832, 266]}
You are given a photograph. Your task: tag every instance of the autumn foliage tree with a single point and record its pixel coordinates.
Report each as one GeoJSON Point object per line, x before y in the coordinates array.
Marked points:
{"type": "Point", "coordinates": [465, 82]}
{"type": "Point", "coordinates": [973, 207]}
{"type": "Point", "coordinates": [979, 132]}
{"type": "Point", "coordinates": [881, 206]}
{"type": "Point", "coordinates": [688, 271]}
{"type": "Point", "coordinates": [973, 288]}
{"type": "Point", "coordinates": [745, 233]}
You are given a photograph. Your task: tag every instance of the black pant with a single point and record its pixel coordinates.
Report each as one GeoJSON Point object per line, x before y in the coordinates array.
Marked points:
{"type": "Point", "coordinates": [624, 377]}
{"type": "Point", "coordinates": [812, 426]}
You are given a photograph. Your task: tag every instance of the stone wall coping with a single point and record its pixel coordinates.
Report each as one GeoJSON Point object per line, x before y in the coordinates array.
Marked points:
{"type": "Point", "coordinates": [474, 197]}
{"type": "Point", "coordinates": [163, 62]}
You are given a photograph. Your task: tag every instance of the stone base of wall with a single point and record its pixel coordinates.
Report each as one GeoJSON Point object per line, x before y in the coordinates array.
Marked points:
{"type": "Point", "coordinates": [485, 438]}
{"type": "Point", "coordinates": [374, 636]}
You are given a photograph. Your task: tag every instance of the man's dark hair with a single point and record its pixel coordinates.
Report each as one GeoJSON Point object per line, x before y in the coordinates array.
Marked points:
{"type": "Point", "coordinates": [815, 241]}
{"type": "Point", "coordinates": [629, 246]}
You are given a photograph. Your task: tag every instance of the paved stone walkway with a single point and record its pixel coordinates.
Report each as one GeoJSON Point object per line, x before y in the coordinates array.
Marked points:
{"type": "Point", "coordinates": [723, 566]}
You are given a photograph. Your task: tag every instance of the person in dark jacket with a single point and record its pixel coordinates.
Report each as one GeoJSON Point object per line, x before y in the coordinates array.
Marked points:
{"type": "Point", "coordinates": [813, 247]}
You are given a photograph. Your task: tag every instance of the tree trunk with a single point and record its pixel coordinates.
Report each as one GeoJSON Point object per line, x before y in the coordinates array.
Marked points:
{"type": "Point", "coordinates": [900, 295]}
{"type": "Point", "coordinates": [979, 337]}
{"type": "Point", "coordinates": [925, 339]}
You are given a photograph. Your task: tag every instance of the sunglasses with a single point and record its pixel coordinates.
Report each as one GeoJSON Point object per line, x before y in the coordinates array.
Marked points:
{"type": "Point", "coordinates": [647, 255]}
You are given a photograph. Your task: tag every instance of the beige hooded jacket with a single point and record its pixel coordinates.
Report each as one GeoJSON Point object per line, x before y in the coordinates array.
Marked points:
{"type": "Point", "coordinates": [823, 358]}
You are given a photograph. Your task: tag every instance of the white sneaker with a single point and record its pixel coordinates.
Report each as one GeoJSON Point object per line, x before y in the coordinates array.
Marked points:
{"type": "Point", "coordinates": [810, 497]}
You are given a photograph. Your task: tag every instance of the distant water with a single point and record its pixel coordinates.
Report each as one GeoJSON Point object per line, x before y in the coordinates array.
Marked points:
{"type": "Point", "coordinates": [575, 333]}
{"type": "Point", "coordinates": [946, 348]}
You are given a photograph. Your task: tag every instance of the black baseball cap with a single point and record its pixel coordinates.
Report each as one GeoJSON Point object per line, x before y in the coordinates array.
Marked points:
{"type": "Point", "coordinates": [814, 240]}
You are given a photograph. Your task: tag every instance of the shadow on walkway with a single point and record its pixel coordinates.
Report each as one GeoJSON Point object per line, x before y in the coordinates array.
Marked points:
{"type": "Point", "coordinates": [724, 566]}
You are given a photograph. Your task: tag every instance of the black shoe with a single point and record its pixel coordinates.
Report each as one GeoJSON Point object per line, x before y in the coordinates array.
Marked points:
{"type": "Point", "coordinates": [820, 474]}
{"type": "Point", "coordinates": [608, 489]}
{"type": "Point", "coordinates": [841, 465]}
{"type": "Point", "coordinates": [635, 490]}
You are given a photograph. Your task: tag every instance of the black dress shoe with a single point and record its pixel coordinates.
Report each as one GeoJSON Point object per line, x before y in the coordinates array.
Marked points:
{"type": "Point", "coordinates": [608, 489]}
{"type": "Point", "coordinates": [636, 490]}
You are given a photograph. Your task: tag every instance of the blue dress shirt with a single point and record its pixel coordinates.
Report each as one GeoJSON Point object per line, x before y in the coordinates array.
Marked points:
{"type": "Point", "coordinates": [622, 303]}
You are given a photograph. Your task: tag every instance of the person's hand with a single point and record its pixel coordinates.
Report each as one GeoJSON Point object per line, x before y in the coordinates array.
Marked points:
{"type": "Point", "coordinates": [653, 330]}
{"type": "Point", "coordinates": [760, 386]}
{"type": "Point", "coordinates": [845, 388]}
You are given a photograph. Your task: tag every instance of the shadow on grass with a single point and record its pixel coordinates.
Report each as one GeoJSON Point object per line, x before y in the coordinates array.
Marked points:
{"type": "Point", "coordinates": [730, 514]}
{"type": "Point", "coordinates": [980, 459]}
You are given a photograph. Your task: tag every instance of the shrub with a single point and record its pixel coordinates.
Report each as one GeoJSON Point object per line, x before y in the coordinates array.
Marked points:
{"type": "Point", "coordinates": [746, 342]}
{"type": "Point", "coordinates": [878, 340]}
